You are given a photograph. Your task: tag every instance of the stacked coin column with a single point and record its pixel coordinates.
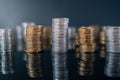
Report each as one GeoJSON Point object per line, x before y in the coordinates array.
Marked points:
{"type": "Point", "coordinates": [7, 51]}
{"type": "Point", "coordinates": [112, 66]}
{"type": "Point", "coordinates": [87, 37]}
{"type": "Point", "coordinates": [34, 50]}
{"type": "Point", "coordinates": [46, 38]}
{"type": "Point", "coordinates": [59, 47]}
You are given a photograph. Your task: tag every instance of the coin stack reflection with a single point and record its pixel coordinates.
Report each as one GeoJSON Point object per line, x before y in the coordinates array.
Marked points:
{"type": "Point", "coordinates": [86, 64]}
{"type": "Point", "coordinates": [34, 50]}
{"type": "Point", "coordinates": [46, 39]}
{"type": "Point", "coordinates": [103, 42]}
{"type": "Point", "coordinates": [87, 39]}
{"type": "Point", "coordinates": [59, 47]}
{"type": "Point", "coordinates": [112, 65]}
{"type": "Point", "coordinates": [7, 51]}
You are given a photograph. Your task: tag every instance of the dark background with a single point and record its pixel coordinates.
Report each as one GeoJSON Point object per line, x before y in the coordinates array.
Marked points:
{"type": "Point", "coordinates": [80, 12]}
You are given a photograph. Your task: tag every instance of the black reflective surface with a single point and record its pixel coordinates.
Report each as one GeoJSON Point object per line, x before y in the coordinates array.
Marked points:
{"type": "Point", "coordinates": [73, 67]}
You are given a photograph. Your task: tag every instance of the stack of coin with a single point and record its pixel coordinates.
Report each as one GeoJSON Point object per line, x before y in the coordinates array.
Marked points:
{"type": "Point", "coordinates": [24, 27]}
{"type": "Point", "coordinates": [112, 66]}
{"type": "Point", "coordinates": [47, 31]}
{"type": "Point", "coordinates": [87, 39]}
{"type": "Point", "coordinates": [34, 50]}
{"type": "Point", "coordinates": [71, 32]}
{"type": "Point", "coordinates": [34, 64]}
{"type": "Point", "coordinates": [34, 38]}
{"type": "Point", "coordinates": [86, 64]}
{"type": "Point", "coordinates": [112, 39]}
{"type": "Point", "coordinates": [59, 47]}
{"type": "Point", "coordinates": [7, 51]}
{"type": "Point", "coordinates": [103, 42]}
{"type": "Point", "coordinates": [19, 38]}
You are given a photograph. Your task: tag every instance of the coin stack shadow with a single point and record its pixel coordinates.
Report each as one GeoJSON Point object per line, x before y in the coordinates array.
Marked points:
{"type": "Point", "coordinates": [103, 42]}
{"type": "Point", "coordinates": [34, 51]}
{"type": "Point", "coordinates": [112, 65]}
{"type": "Point", "coordinates": [46, 39]}
{"type": "Point", "coordinates": [86, 41]}
{"type": "Point", "coordinates": [7, 51]}
{"type": "Point", "coordinates": [59, 48]}
{"type": "Point", "coordinates": [71, 38]}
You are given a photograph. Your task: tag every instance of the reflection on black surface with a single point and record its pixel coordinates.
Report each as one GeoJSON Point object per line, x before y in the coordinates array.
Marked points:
{"type": "Point", "coordinates": [7, 62]}
{"type": "Point", "coordinates": [60, 71]}
{"type": "Point", "coordinates": [86, 63]}
{"type": "Point", "coordinates": [112, 67]}
{"type": "Point", "coordinates": [103, 52]}
{"type": "Point", "coordinates": [34, 64]}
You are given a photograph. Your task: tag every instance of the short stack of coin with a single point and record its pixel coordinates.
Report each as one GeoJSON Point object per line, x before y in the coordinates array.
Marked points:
{"type": "Point", "coordinates": [47, 32]}
{"type": "Point", "coordinates": [112, 65]}
{"type": "Point", "coordinates": [103, 42]}
{"type": "Point", "coordinates": [59, 47]}
{"type": "Point", "coordinates": [86, 64]}
{"type": "Point", "coordinates": [87, 39]}
{"type": "Point", "coordinates": [112, 39]}
{"type": "Point", "coordinates": [7, 51]}
{"type": "Point", "coordinates": [34, 50]}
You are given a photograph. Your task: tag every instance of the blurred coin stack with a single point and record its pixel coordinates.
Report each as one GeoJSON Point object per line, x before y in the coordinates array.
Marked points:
{"type": "Point", "coordinates": [59, 47]}
{"type": "Point", "coordinates": [112, 39]}
{"type": "Point", "coordinates": [34, 50]}
{"type": "Point", "coordinates": [86, 64]}
{"type": "Point", "coordinates": [71, 38]}
{"type": "Point", "coordinates": [46, 39]}
{"type": "Point", "coordinates": [7, 51]}
{"type": "Point", "coordinates": [87, 39]}
{"type": "Point", "coordinates": [103, 42]}
{"type": "Point", "coordinates": [24, 27]}
{"type": "Point", "coordinates": [112, 66]}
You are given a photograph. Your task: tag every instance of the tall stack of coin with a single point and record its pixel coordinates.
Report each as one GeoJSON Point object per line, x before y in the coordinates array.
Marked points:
{"type": "Point", "coordinates": [59, 47]}
{"type": "Point", "coordinates": [34, 50]}
{"type": "Point", "coordinates": [103, 42]}
{"type": "Point", "coordinates": [47, 31]}
{"type": "Point", "coordinates": [112, 66]}
{"type": "Point", "coordinates": [112, 39]}
{"type": "Point", "coordinates": [87, 39]}
{"type": "Point", "coordinates": [7, 51]}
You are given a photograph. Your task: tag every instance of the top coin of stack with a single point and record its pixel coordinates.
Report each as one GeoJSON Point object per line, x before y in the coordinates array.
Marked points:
{"type": "Point", "coordinates": [87, 37]}
{"type": "Point", "coordinates": [33, 39]}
